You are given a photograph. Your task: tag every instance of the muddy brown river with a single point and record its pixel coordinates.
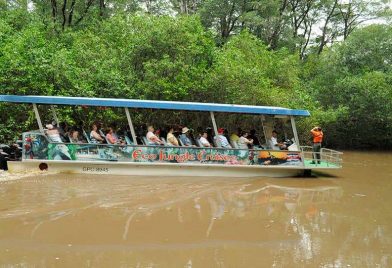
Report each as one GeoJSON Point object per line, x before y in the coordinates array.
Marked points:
{"type": "Point", "coordinates": [340, 218]}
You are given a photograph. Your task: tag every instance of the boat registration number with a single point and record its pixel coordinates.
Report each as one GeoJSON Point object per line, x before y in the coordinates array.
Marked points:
{"type": "Point", "coordinates": [96, 169]}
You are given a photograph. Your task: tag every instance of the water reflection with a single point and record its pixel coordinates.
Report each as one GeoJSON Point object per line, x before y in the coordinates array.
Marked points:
{"type": "Point", "coordinates": [68, 220]}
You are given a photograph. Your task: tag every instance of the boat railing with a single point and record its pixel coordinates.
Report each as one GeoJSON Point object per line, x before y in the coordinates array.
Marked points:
{"type": "Point", "coordinates": [38, 146]}
{"type": "Point", "coordinates": [103, 145]}
{"type": "Point", "coordinates": [328, 157]}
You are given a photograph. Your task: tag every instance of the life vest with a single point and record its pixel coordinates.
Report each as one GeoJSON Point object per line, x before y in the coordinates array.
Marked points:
{"type": "Point", "coordinates": [317, 136]}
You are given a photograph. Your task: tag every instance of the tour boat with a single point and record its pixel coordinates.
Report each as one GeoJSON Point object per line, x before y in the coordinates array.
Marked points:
{"type": "Point", "coordinates": [40, 153]}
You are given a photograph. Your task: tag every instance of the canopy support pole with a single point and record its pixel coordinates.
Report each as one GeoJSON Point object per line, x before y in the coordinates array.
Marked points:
{"type": "Point", "coordinates": [41, 128]}
{"type": "Point", "coordinates": [215, 127]}
{"type": "Point", "coordinates": [297, 140]}
{"type": "Point", "coordinates": [131, 126]}
{"type": "Point", "coordinates": [262, 124]}
{"type": "Point", "coordinates": [294, 130]}
{"type": "Point", "coordinates": [54, 114]}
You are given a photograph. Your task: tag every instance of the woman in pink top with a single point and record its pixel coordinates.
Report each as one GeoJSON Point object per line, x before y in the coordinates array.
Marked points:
{"type": "Point", "coordinates": [111, 137]}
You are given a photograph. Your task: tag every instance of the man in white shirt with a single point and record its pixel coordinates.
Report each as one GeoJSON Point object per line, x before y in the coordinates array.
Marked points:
{"type": "Point", "coordinates": [203, 140]}
{"type": "Point", "coordinates": [275, 145]}
{"type": "Point", "coordinates": [152, 138]}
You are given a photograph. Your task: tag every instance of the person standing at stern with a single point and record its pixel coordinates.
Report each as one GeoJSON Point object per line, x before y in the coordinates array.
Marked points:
{"type": "Point", "coordinates": [317, 134]}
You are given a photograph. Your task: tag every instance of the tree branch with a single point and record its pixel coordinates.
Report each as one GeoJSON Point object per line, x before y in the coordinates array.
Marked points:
{"type": "Point", "coordinates": [71, 10]}
{"type": "Point", "coordinates": [63, 9]}
{"type": "Point", "coordinates": [89, 3]}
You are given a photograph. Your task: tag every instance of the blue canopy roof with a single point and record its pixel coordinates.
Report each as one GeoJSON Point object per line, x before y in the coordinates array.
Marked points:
{"type": "Point", "coordinates": [154, 104]}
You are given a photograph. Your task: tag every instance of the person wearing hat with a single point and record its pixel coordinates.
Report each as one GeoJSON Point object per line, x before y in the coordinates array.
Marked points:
{"type": "Point", "coordinates": [185, 137]}
{"type": "Point", "coordinates": [56, 151]}
{"type": "Point", "coordinates": [222, 140]}
{"type": "Point", "coordinates": [53, 133]}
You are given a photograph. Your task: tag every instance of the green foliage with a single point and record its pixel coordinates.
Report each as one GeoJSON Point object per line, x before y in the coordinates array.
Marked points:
{"type": "Point", "coordinates": [126, 53]}
{"type": "Point", "coordinates": [356, 75]}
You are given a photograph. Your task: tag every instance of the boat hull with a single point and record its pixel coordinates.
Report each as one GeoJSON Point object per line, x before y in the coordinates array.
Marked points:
{"type": "Point", "coordinates": [153, 169]}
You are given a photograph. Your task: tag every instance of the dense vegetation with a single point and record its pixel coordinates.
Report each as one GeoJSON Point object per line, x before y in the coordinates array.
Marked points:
{"type": "Point", "coordinates": [245, 52]}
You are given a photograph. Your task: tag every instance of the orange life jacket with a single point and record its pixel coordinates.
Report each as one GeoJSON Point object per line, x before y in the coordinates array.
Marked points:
{"type": "Point", "coordinates": [317, 136]}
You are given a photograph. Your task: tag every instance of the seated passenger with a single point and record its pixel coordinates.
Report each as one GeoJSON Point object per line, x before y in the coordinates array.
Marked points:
{"type": "Point", "coordinates": [171, 139]}
{"type": "Point", "coordinates": [94, 136]}
{"type": "Point", "coordinates": [275, 145]}
{"type": "Point", "coordinates": [244, 142]}
{"type": "Point", "coordinates": [236, 136]}
{"type": "Point", "coordinates": [185, 137]}
{"type": "Point", "coordinates": [63, 130]}
{"type": "Point", "coordinates": [53, 133]}
{"type": "Point", "coordinates": [203, 140]}
{"type": "Point", "coordinates": [222, 140]}
{"type": "Point", "coordinates": [152, 139]}
{"type": "Point", "coordinates": [112, 137]}
{"type": "Point", "coordinates": [59, 151]}
{"type": "Point", "coordinates": [252, 135]}
{"type": "Point", "coordinates": [74, 136]}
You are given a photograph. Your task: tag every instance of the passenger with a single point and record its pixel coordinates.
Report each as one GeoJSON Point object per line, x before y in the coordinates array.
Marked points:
{"type": "Point", "coordinates": [185, 137]}
{"type": "Point", "coordinates": [94, 136]}
{"type": "Point", "coordinates": [244, 142]}
{"type": "Point", "coordinates": [56, 151]}
{"type": "Point", "coordinates": [252, 135]}
{"type": "Point", "coordinates": [203, 140]}
{"type": "Point", "coordinates": [63, 130]}
{"type": "Point", "coordinates": [318, 135]}
{"type": "Point", "coordinates": [74, 136]}
{"type": "Point", "coordinates": [275, 145]}
{"type": "Point", "coordinates": [152, 139]}
{"type": "Point", "coordinates": [170, 138]}
{"type": "Point", "coordinates": [53, 133]}
{"type": "Point", "coordinates": [112, 137]}
{"type": "Point", "coordinates": [210, 135]}
{"type": "Point", "coordinates": [157, 133]}
{"type": "Point", "coordinates": [236, 136]}
{"type": "Point", "coordinates": [222, 140]}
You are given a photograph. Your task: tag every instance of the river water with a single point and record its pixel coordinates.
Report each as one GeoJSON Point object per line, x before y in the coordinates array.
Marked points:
{"type": "Point", "coordinates": [340, 218]}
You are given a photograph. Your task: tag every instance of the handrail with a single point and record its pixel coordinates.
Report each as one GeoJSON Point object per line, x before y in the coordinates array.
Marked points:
{"type": "Point", "coordinates": [152, 146]}
{"type": "Point", "coordinates": [327, 156]}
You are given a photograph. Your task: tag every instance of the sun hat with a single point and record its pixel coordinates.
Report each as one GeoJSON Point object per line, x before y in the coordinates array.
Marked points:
{"type": "Point", "coordinates": [185, 130]}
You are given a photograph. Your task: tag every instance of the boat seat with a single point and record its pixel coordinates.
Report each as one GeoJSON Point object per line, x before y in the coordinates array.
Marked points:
{"type": "Point", "coordinates": [145, 141]}
{"type": "Point", "coordinates": [103, 136]}
{"type": "Point", "coordinates": [216, 142]}
{"type": "Point", "coordinates": [164, 141]}
{"type": "Point", "coordinates": [234, 144]}
{"type": "Point", "coordinates": [181, 143]}
{"type": "Point", "coordinates": [198, 143]}
{"type": "Point", "coordinates": [86, 136]}
{"type": "Point", "coordinates": [128, 140]}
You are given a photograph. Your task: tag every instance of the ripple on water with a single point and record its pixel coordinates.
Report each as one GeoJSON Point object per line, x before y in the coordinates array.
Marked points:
{"type": "Point", "coordinates": [7, 176]}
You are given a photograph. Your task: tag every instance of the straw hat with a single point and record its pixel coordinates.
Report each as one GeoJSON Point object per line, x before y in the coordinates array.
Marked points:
{"type": "Point", "coordinates": [185, 130]}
